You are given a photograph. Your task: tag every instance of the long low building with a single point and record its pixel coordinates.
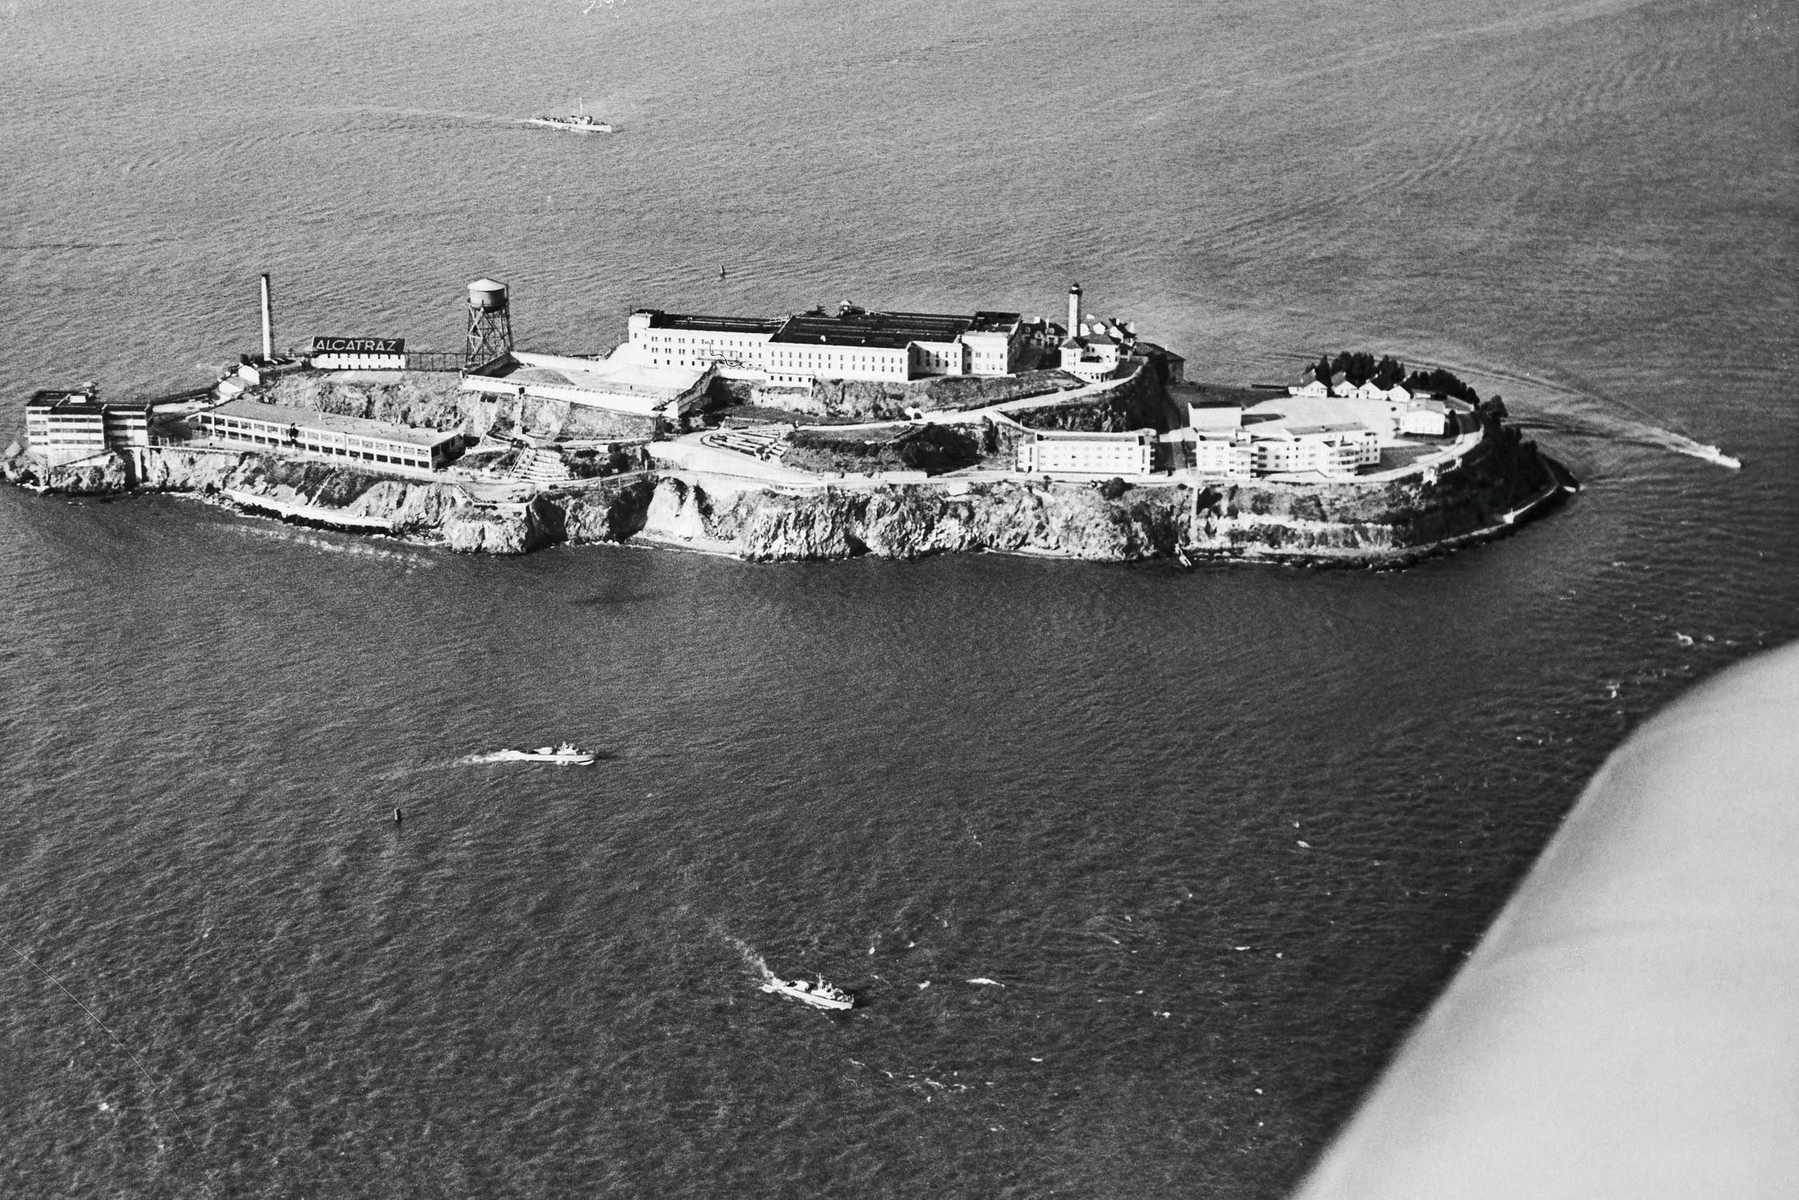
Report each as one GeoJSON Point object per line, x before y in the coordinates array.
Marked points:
{"type": "Point", "coordinates": [251, 425]}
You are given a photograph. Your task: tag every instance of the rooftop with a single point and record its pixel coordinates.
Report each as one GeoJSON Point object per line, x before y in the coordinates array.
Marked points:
{"type": "Point", "coordinates": [663, 320]}
{"type": "Point", "coordinates": [883, 330]}
{"type": "Point", "coordinates": [1064, 435]}
{"type": "Point", "coordinates": [311, 419]}
{"type": "Point", "coordinates": [77, 402]}
{"type": "Point", "coordinates": [994, 322]}
{"type": "Point", "coordinates": [1333, 427]}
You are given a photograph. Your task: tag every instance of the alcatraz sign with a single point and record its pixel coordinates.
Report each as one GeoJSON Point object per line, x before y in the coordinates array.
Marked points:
{"type": "Point", "coordinates": [358, 345]}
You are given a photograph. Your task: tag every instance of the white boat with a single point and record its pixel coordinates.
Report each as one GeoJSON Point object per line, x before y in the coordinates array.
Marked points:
{"type": "Point", "coordinates": [818, 995]}
{"type": "Point", "coordinates": [564, 754]}
{"type": "Point", "coordinates": [579, 122]}
{"type": "Point", "coordinates": [1713, 454]}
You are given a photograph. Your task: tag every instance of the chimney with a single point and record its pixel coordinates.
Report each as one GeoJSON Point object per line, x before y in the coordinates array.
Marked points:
{"type": "Point", "coordinates": [268, 323]}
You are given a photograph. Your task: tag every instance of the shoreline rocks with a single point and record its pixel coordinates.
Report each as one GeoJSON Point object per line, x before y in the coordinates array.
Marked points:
{"type": "Point", "coordinates": [1305, 524]}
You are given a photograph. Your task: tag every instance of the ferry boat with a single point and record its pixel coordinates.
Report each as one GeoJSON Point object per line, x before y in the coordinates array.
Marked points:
{"type": "Point", "coordinates": [818, 995]}
{"type": "Point", "coordinates": [563, 753]}
{"type": "Point", "coordinates": [579, 122]}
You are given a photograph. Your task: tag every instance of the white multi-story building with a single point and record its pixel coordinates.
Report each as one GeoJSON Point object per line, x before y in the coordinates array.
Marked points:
{"type": "Point", "coordinates": [994, 343]}
{"type": "Point", "coordinates": [1048, 451]}
{"type": "Point", "coordinates": [1334, 450]}
{"type": "Point", "coordinates": [1224, 453]}
{"type": "Point", "coordinates": [928, 358]}
{"type": "Point", "coordinates": [738, 344]}
{"type": "Point", "coordinates": [858, 343]}
{"type": "Point", "coordinates": [61, 427]}
{"type": "Point", "coordinates": [854, 344]}
{"type": "Point", "coordinates": [1429, 417]}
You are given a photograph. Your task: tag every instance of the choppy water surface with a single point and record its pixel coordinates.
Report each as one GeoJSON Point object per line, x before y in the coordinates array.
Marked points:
{"type": "Point", "coordinates": [1219, 835]}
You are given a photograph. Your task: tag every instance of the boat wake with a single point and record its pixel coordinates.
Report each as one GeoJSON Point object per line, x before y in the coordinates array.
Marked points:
{"type": "Point", "coordinates": [1667, 439]}
{"type": "Point", "coordinates": [497, 756]}
{"type": "Point", "coordinates": [751, 959]}
{"type": "Point", "coordinates": [1635, 425]}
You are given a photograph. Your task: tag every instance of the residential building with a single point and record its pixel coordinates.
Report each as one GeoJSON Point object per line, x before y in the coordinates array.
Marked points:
{"type": "Point", "coordinates": [1050, 451]}
{"type": "Point", "coordinates": [1224, 453]}
{"type": "Point", "coordinates": [1428, 417]}
{"type": "Point", "coordinates": [1334, 450]}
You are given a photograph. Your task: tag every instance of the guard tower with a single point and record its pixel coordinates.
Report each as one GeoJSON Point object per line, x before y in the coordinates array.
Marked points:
{"type": "Point", "coordinates": [489, 324]}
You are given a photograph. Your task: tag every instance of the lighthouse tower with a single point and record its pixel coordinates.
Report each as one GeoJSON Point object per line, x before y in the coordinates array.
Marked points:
{"type": "Point", "coordinates": [1074, 310]}
{"type": "Point", "coordinates": [489, 324]}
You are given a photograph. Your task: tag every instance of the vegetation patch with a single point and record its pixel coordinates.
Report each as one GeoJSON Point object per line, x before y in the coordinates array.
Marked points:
{"type": "Point", "coordinates": [909, 448]}
{"type": "Point", "coordinates": [1361, 367]}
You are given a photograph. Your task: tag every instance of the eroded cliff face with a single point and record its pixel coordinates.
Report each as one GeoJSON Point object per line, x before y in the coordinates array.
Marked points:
{"type": "Point", "coordinates": [918, 519]}
{"type": "Point", "coordinates": [90, 477]}
{"type": "Point", "coordinates": [1283, 522]}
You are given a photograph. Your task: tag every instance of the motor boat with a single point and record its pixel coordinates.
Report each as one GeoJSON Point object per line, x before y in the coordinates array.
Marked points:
{"type": "Point", "coordinates": [818, 995]}
{"type": "Point", "coordinates": [563, 753]}
{"type": "Point", "coordinates": [1715, 455]}
{"type": "Point", "coordinates": [578, 122]}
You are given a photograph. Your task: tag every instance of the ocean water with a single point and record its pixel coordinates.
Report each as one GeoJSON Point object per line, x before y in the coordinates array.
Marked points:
{"type": "Point", "coordinates": [1218, 837]}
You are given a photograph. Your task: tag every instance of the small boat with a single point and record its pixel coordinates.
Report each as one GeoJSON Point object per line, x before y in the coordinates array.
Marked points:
{"type": "Point", "coordinates": [563, 753]}
{"type": "Point", "coordinates": [818, 995]}
{"type": "Point", "coordinates": [579, 122]}
{"type": "Point", "coordinates": [1713, 454]}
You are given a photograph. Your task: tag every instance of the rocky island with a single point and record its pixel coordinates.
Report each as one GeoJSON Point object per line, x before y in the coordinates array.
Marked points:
{"type": "Point", "coordinates": [818, 437]}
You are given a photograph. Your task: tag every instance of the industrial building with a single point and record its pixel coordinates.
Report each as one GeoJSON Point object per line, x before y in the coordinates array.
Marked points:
{"type": "Point", "coordinates": [63, 426]}
{"type": "Point", "coordinates": [251, 425]}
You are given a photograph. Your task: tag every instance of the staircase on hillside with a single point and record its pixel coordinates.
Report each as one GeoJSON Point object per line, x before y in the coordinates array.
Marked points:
{"type": "Point", "coordinates": [542, 467]}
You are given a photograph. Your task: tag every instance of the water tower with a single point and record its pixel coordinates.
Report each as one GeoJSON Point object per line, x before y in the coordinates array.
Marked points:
{"type": "Point", "coordinates": [489, 324]}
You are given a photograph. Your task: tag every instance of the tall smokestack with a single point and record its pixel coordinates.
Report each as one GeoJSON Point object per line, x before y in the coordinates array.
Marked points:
{"type": "Point", "coordinates": [268, 323]}
{"type": "Point", "coordinates": [1074, 309]}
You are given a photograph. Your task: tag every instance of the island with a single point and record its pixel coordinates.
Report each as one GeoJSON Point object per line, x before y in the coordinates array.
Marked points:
{"type": "Point", "coordinates": [819, 435]}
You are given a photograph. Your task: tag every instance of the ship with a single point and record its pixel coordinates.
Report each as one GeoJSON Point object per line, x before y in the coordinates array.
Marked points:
{"type": "Point", "coordinates": [818, 995]}
{"type": "Point", "coordinates": [564, 754]}
{"type": "Point", "coordinates": [579, 122]}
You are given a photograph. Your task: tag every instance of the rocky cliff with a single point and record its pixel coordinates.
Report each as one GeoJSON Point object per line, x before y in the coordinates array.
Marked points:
{"type": "Point", "coordinates": [1267, 521]}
